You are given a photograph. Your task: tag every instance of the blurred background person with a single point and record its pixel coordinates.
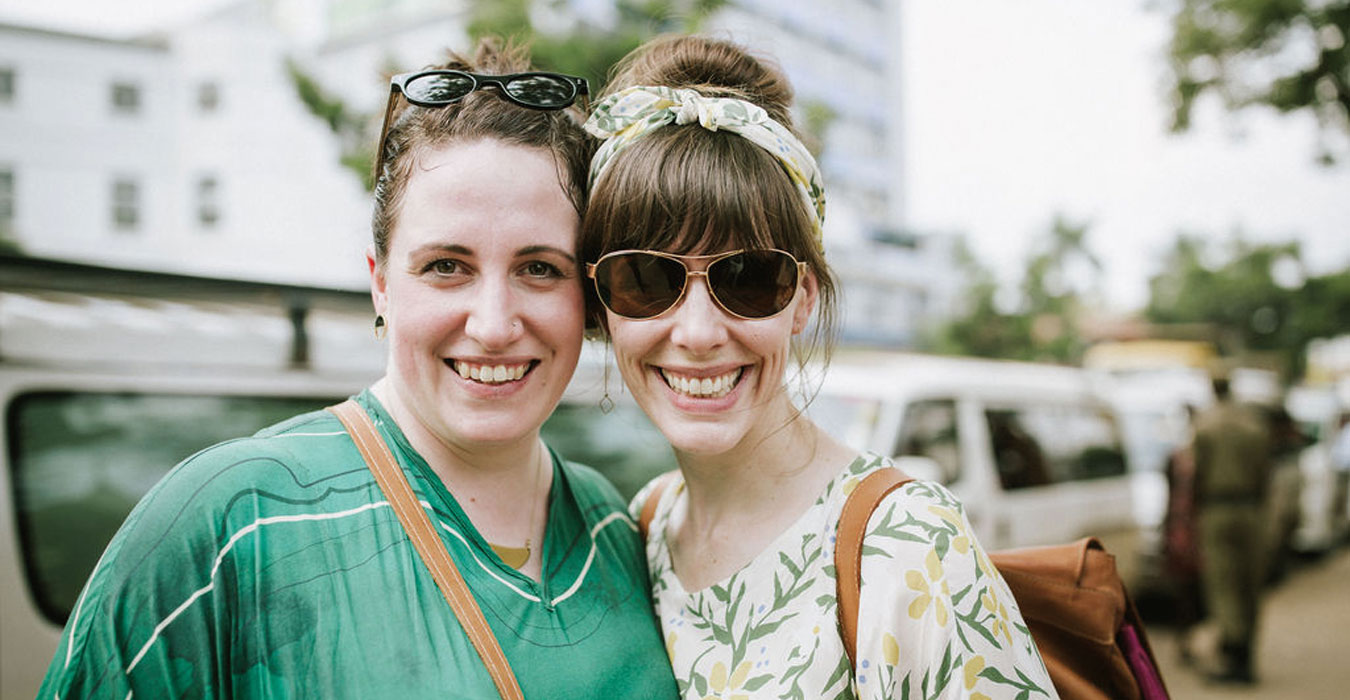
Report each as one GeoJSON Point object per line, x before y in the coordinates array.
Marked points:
{"type": "Point", "coordinates": [1181, 543]}
{"type": "Point", "coordinates": [1232, 450]}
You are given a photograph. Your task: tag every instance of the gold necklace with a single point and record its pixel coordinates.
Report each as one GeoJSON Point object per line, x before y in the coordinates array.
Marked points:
{"type": "Point", "coordinates": [516, 557]}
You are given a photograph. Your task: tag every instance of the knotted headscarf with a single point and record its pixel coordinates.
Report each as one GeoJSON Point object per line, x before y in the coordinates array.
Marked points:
{"type": "Point", "coordinates": [628, 115]}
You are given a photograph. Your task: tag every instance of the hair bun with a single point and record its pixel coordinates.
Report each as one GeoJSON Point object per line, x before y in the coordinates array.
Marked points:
{"type": "Point", "coordinates": [711, 66]}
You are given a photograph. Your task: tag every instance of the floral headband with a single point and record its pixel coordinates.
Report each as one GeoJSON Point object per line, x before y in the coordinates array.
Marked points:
{"type": "Point", "coordinates": [626, 116]}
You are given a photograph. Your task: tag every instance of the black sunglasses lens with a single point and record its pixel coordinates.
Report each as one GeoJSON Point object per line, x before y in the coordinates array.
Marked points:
{"type": "Point", "coordinates": [754, 284]}
{"type": "Point", "coordinates": [438, 88]}
{"type": "Point", "coordinates": [538, 90]}
{"type": "Point", "coordinates": [639, 285]}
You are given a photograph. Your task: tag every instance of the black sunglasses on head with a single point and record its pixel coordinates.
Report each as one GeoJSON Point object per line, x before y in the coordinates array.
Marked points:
{"type": "Point", "coordinates": [437, 88]}
{"type": "Point", "coordinates": [749, 284]}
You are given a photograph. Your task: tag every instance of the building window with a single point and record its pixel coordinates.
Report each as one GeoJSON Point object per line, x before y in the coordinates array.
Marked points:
{"type": "Point", "coordinates": [125, 204]}
{"type": "Point", "coordinates": [208, 96]}
{"type": "Point", "coordinates": [6, 200]}
{"type": "Point", "coordinates": [126, 98]}
{"type": "Point", "coordinates": [6, 84]}
{"type": "Point", "coordinates": [208, 205]}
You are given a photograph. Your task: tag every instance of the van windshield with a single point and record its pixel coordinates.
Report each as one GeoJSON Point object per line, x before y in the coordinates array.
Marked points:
{"type": "Point", "coordinates": [81, 461]}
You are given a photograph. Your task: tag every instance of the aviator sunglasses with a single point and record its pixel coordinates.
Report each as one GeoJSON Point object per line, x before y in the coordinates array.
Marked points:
{"type": "Point", "coordinates": [438, 88]}
{"type": "Point", "coordinates": [748, 284]}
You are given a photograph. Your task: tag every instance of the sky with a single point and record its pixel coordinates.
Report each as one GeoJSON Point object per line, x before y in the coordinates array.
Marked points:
{"type": "Point", "coordinates": [1015, 112]}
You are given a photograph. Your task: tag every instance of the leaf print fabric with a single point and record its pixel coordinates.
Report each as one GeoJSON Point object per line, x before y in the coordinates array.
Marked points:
{"type": "Point", "coordinates": [935, 619]}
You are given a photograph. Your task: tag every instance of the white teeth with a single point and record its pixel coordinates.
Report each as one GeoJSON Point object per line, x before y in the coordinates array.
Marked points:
{"type": "Point", "coordinates": [491, 374]}
{"type": "Point", "coordinates": [706, 387]}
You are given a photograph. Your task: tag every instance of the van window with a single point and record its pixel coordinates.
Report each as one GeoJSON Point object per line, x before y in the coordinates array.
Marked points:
{"type": "Point", "coordinates": [849, 419]}
{"type": "Point", "coordinates": [622, 444]}
{"type": "Point", "coordinates": [1035, 445]}
{"type": "Point", "coordinates": [81, 461]}
{"type": "Point", "coordinates": [929, 429]}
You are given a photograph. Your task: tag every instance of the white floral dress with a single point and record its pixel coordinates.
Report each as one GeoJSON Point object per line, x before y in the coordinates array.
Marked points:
{"type": "Point", "coordinates": [935, 619]}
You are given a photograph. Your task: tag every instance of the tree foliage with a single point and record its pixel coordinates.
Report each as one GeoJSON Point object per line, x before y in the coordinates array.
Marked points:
{"type": "Point", "coordinates": [582, 48]}
{"type": "Point", "coordinates": [1257, 298]}
{"type": "Point", "coordinates": [1043, 321]}
{"type": "Point", "coordinates": [1292, 55]}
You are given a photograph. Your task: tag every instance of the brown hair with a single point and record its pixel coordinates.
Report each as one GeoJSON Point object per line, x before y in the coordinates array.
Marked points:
{"type": "Point", "coordinates": [482, 114]}
{"type": "Point", "coordinates": [685, 189]}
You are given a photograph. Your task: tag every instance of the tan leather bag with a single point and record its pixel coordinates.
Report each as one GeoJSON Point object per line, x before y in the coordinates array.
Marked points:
{"type": "Point", "coordinates": [1071, 597]}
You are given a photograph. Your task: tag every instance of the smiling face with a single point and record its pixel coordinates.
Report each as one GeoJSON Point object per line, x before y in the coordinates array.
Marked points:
{"type": "Point", "coordinates": [482, 294]}
{"type": "Point", "coordinates": [709, 381]}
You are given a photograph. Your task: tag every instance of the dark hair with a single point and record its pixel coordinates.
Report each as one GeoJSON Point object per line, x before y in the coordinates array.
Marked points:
{"type": "Point", "coordinates": [686, 189]}
{"type": "Point", "coordinates": [482, 114]}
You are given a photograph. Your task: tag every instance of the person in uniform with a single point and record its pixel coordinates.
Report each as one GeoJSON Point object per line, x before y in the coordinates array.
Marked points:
{"type": "Point", "coordinates": [1232, 472]}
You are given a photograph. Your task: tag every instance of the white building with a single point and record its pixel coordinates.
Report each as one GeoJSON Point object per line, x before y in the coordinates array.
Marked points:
{"type": "Point", "coordinates": [187, 153]}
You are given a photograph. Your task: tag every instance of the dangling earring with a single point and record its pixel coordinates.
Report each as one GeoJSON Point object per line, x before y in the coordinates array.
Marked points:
{"type": "Point", "coordinates": [380, 327]}
{"type": "Point", "coordinates": [606, 403]}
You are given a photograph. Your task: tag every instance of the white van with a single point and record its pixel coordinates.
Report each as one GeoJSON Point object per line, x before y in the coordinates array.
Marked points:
{"type": "Point", "coordinates": [107, 379]}
{"type": "Point", "coordinates": [1032, 450]}
{"type": "Point", "coordinates": [1324, 503]}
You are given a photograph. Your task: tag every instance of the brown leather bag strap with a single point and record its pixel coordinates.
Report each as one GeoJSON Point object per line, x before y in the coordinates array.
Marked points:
{"type": "Point", "coordinates": [400, 495]}
{"type": "Point", "coordinates": [848, 546]}
{"type": "Point", "coordinates": [653, 498]}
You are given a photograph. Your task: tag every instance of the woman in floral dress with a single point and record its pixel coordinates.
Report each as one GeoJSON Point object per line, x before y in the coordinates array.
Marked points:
{"type": "Point", "coordinates": [704, 242]}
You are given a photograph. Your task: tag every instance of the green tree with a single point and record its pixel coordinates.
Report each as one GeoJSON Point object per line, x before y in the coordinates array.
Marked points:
{"type": "Point", "coordinates": [1042, 324]}
{"type": "Point", "coordinates": [583, 49]}
{"type": "Point", "coordinates": [1258, 298]}
{"type": "Point", "coordinates": [983, 329]}
{"type": "Point", "coordinates": [1292, 55]}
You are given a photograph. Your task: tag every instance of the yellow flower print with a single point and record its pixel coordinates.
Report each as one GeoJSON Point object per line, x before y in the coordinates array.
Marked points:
{"type": "Point", "coordinates": [991, 603]}
{"type": "Point", "coordinates": [972, 671]}
{"type": "Point", "coordinates": [724, 688]}
{"type": "Point", "coordinates": [890, 649]}
{"type": "Point", "coordinates": [850, 484]}
{"type": "Point", "coordinates": [931, 588]}
{"type": "Point", "coordinates": [982, 560]}
{"type": "Point", "coordinates": [670, 645]}
{"type": "Point", "coordinates": [961, 542]}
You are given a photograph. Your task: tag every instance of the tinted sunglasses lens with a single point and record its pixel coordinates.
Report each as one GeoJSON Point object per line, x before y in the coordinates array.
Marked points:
{"type": "Point", "coordinates": [754, 284]}
{"type": "Point", "coordinates": [539, 90]}
{"type": "Point", "coordinates": [639, 285]}
{"type": "Point", "coordinates": [438, 88]}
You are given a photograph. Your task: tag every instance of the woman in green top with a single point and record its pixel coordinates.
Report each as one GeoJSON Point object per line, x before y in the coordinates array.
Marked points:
{"type": "Point", "coordinates": [273, 566]}
{"type": "Point", "coordinates": [704, 234]}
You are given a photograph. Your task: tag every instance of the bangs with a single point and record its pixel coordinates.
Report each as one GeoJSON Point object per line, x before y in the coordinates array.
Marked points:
{"type": "Point", "coordinates": [687, 190]}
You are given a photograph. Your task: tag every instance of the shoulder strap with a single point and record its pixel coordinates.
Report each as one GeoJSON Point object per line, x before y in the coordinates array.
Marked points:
{"type": "Point", "coordinates": [653, 498]}
{"type": "Point", "coordinates": [848, 545]}
{"type": "Point", "coordinates": [428, 543]}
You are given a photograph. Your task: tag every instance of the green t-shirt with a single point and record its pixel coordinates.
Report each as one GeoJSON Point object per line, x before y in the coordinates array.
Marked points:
{"type": "Point", "coordinates": [273, 567]}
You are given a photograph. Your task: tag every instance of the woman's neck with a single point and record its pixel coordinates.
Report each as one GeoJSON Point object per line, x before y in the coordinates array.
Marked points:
{"type": "Point", "coordinates": [503, 488]}
{"type": "Point", "coordinates": [740, 500]}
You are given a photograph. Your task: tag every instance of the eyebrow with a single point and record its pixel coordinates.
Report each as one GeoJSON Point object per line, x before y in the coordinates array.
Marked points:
{"type": "Point", "coordinates": [464, 250]}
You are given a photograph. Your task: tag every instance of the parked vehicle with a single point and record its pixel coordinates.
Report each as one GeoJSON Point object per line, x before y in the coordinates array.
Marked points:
{"type": "Point", "coordinates": [107, 379]}
{"type": "Point", "coordinates": [1033, 451]}
{"type": "Point", "coordinates": [1324, 502]}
